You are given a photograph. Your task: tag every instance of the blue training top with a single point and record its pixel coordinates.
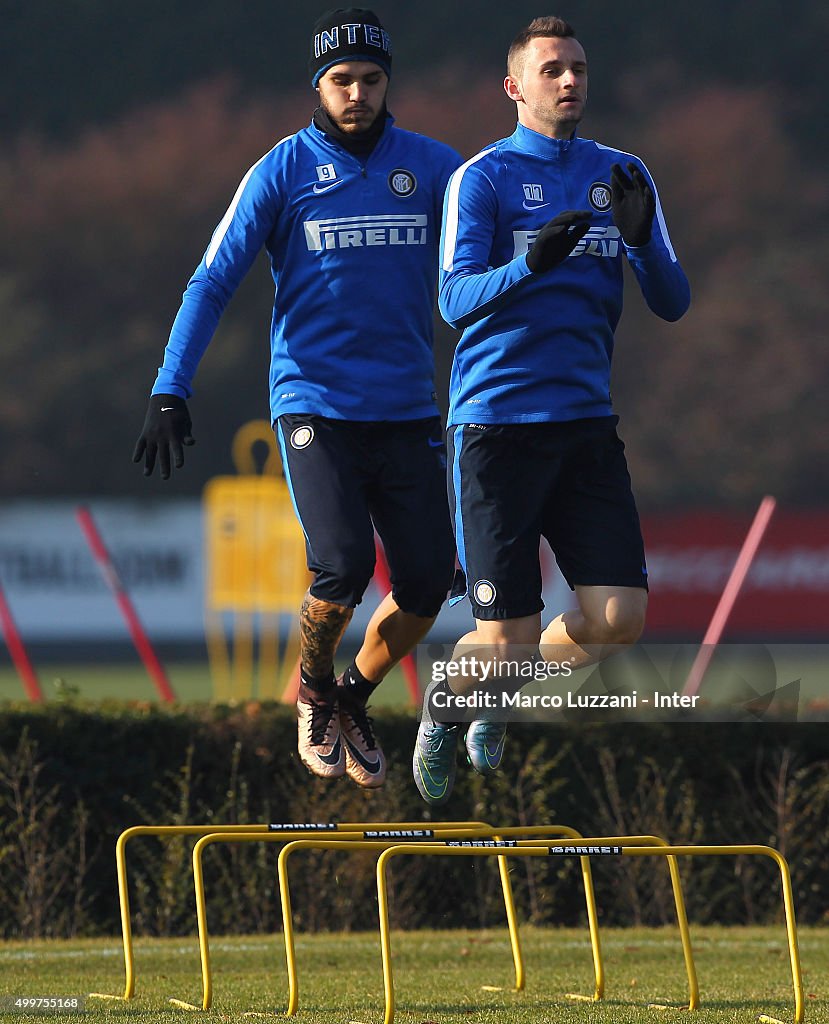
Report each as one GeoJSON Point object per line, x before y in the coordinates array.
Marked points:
{"type": "Point", "coordinates": [538, 347]}
{"type": "Point", "coordinates": [353, 248]}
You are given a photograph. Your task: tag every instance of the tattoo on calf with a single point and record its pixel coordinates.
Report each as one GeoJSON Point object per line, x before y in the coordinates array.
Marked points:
{"type": "Point", "coordinates": [321, 625]}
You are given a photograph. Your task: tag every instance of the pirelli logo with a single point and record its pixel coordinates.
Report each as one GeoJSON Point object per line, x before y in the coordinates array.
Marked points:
{"type": "Point", "coordinates": [303, 826]}
{"type": "Point", "coordinates": [585, 851]}
{"type": "Point", "coordinates": [357, 232]}
{"type": "Point", "coordinates": [599, 241]}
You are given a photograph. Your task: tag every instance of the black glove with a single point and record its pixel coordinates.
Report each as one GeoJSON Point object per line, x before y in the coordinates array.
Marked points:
{"type": "Point", "coordinates": [557, 239]}
{"type": "Point", "coordinates": [632, 204]}
{"type": "Point", "coordinates": [166, 426]}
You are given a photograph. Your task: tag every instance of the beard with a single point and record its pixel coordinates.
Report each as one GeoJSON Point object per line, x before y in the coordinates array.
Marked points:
{"type": "Point", "coordinates": [353, 120]}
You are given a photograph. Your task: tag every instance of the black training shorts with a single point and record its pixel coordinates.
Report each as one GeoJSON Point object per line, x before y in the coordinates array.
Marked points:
{"type": "Point", "coordinates": [512, 484]}
{"type": "Point", "coordinates": [347, 478]}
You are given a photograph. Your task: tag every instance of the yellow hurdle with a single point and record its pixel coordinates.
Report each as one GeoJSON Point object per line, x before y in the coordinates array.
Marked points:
{"type": "Point", "coordinates": [378, 842]}
{"type": "Point", "coordinates": [170, 831]}
{"type": "Point", "coordinates": [443, 839]}
{"type": "Point", "coordinates": [512, 922]}
{"type": "Point", "coordinates": [496, 836]}
{"type": "Point", "coordinates": [372, 837]}
{"type": "Point", "coordinates": [586, 847]}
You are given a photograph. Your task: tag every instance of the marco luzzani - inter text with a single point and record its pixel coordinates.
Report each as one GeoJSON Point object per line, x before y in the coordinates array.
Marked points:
{"type": "Point", "coordinates": [495, 700]}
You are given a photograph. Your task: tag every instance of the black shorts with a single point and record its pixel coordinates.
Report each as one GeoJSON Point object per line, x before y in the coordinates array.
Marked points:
{"type": "Point", "coordinates": [347, 478]}
{"type": "Point", "coordinates": [512, 484]}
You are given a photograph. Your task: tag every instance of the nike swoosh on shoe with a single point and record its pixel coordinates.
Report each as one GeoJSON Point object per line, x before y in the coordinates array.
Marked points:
{"type": "Point", "coordinates": [422, 766]}
{"type": "Point", "coordinates": [373, 767]}
{"type": "Point", "coordinates": [493, 757]}
{"type": "Point", "coordinates": [330, 759]}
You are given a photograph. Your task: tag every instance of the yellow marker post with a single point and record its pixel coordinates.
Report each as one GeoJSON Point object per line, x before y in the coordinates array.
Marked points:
{"type": "Point", "coordinates": [255, 571]}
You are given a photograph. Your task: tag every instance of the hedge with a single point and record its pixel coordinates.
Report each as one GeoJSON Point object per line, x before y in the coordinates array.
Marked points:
{"type": "Point", "coordinates": [72, 777]}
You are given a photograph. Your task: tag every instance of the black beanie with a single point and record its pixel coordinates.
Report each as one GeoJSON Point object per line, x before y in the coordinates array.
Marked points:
{"type": "Point", "coordinates": [349, 33]}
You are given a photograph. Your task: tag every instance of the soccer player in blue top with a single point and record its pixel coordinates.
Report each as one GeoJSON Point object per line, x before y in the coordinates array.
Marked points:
{"type": "Point", "coordinates": [535, 231]}
{"type": "Point", "coordinates": [348, 211]}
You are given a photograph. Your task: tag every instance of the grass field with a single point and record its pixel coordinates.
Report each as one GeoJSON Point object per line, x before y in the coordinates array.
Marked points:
{"type": "Point", "coordinates": [127, 681]}
{"type": "Point", "coordinates": [439, 976]}
{"type": "Point", "coordinates": [739, 674]}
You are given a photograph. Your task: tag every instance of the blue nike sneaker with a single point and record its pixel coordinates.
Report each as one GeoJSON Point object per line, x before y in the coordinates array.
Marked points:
{"type": "Point", "coordinates": [435, 758]}
{"type": "Point", "coordinates": [485, 745]}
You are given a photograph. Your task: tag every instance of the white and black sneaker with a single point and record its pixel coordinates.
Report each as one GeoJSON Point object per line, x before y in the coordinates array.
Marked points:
{"type": "Point", "coordinates": [319, 741]}
{"type": "Point", "coordinates": [365, 762]}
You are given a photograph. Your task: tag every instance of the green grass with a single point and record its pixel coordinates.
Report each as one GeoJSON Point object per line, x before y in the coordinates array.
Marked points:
{"type": "Point", "coordinates": [438, 976]}
{"type": "Point", "coordinates": [725, 682]}
{"type": "Point", "coordinates": [190, 681]}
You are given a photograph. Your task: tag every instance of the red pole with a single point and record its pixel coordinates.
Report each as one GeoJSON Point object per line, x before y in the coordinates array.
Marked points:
{"type": "Point", "coordinates": [407, 662]}
{"type": "Point", "coordinates": [17, 649]}
{"type": "Point", "coordinates": [729, 596]}
{"type": "Point", "coordinates": [113, 581]}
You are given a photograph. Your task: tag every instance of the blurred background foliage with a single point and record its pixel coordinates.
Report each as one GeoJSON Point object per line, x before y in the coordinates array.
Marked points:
{"type": "Point", "coordinates": [126, 130]}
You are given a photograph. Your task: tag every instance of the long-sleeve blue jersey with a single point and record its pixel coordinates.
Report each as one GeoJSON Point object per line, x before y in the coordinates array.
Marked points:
{"type": "Point", "coordinates": [353, 248]}
{"type": "Point", "coordinates": [538, 347]}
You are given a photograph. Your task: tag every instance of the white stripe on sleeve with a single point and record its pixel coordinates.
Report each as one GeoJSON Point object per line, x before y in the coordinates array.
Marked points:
{"type": "Point", "coordinates": [450, 231]}
{"type": "Point", "coordinates": [224, 223]}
